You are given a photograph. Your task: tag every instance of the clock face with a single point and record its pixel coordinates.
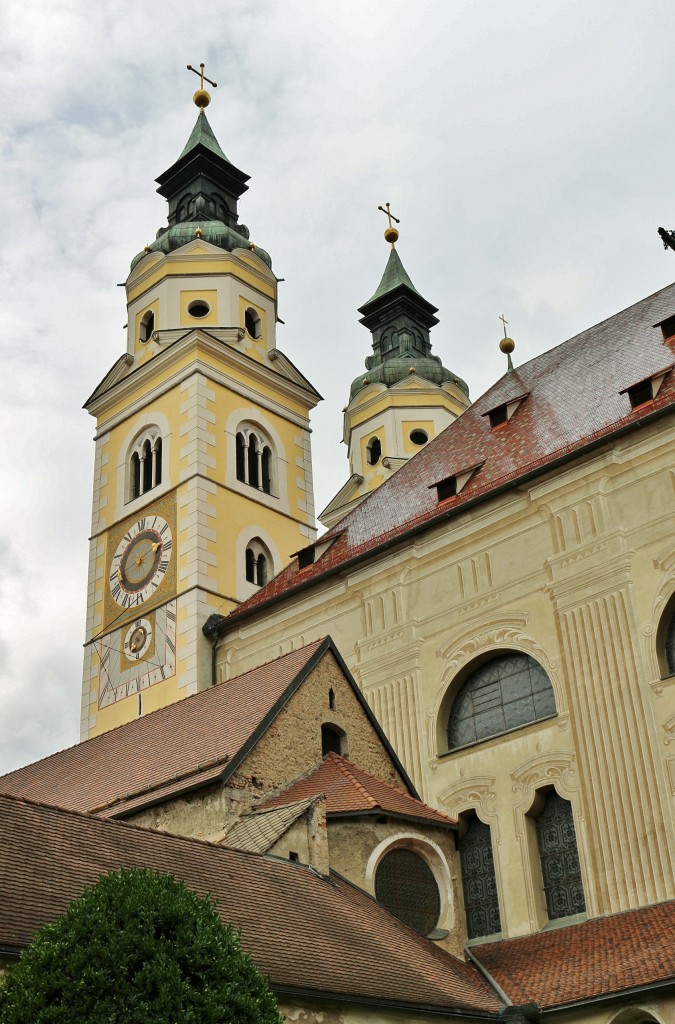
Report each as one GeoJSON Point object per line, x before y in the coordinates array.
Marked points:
{"type": "Point", "coordinates": [140, 562]}
{"type": "Point", "coordinates": [137, 639]}
{"type": "Point", "coordinates": [138, 655]}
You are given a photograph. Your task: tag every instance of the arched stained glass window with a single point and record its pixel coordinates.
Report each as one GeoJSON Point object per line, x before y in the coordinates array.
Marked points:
{"type": "Point", "coordinates": [481, 904]}
{"type": "Point", "coordinates": [560, 868]}
{"type": "Point", "coordinates": [502, 694]}
{"type": "Point", "coordinates": [405, 885]}
{"type": "Point", "coordinates": [670, 645]}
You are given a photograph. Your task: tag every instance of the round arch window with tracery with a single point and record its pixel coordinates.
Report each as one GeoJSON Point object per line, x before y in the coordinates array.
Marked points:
{"type": "Point", "coordinates": [500, 695]}
{"type": "Point", "coordinates": [405, 885]}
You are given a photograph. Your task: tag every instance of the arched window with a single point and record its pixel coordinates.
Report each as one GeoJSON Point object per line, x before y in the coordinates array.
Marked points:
{"type": "Point", "coordinates": [147, 326]}
{"type": "Point", "coordinates": [145, 463]}
{"type": "Point", "coordinates": [481, 904]}
{"type": "Point", "coordinates": [502, 694]}
{"type": "Point", "coordinates": [331, 740]}
{"type": "Point", "coordinates": [406, 886]}
{"type": "Point", "coordinates": [374, 451]}
{"type": "Point", "coordinates": [253, 323]}
{"type": "Point", "coordinates": [254, 459]}
{"type": "Point", "coordinates": [670, 645]}
{"type": "Point", "coordinates": [258, 563]}
{"type": "Point", "coordinates": [557, 842]}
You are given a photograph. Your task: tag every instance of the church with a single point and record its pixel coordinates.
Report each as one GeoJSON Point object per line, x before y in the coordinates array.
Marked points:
{"type": "Point", "coordinates": [424, 759]}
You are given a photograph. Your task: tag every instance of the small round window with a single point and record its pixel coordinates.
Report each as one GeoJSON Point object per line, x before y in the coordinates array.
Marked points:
{"type": "Point", "coordinates": [419, 437]}
{"type": "Point", "coordinates": [406, 887]}
{"type": "Point", "coordinates": [199, 308]}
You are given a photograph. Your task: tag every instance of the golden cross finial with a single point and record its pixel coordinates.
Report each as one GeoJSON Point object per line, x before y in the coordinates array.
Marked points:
{"type": "Point", "coordinates": [507, 344]}
{"type": "Point", "coordinates": [201, 97]}
{"type": "Point", "coordinates": [391, 234]}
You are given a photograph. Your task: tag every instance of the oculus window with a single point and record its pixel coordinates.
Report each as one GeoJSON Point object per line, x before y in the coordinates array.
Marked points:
{"type": "Point", "coordinates": [502, 694]}
{"type": "Point", "coordinates": [406, 887]}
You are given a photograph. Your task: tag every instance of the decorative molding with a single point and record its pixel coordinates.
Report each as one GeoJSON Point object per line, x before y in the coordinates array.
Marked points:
{"type": "Point", "coordinates": [514, 621]}
{"type": "Point", "coordinates": [472, 794]}
{"type": "Point", "coordinates": [669, 729]}
{"type": "Point", "coordinates": [556, 767]}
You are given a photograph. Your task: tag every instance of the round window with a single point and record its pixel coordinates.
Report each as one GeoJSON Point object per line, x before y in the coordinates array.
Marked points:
{"type": "Point", "coordinates": [419, 436]}
{"type": "Point", "coordinates": [199, 308]}
{"type": "Point", "coordinates": [405, 885]}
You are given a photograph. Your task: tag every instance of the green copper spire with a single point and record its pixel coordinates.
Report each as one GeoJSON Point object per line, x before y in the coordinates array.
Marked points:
{"type": "Point", "coordinates": [394, 275]}
{"type": "Point", "coordinates": [203, 189]}
{"type": "Point", "coordinates": [400, 319]}
{"type": "Point", "coordinates": [202, 134]}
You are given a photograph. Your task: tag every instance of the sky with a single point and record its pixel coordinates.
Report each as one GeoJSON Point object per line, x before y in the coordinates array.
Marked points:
{"type": "Point", "coordinates": [527, 148]}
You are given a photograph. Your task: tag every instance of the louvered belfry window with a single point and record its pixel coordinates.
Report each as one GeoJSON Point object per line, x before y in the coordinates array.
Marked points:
{"type": "Point", "coordinates": [405, 885]}
{"type": "Point", "coordinates": [481, 904]}
{"type": "Point", "coordinates": [560, 868]}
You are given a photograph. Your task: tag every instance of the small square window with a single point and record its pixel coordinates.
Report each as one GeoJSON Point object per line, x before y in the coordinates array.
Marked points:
{"type": "Point", "coordinates": [498, 416]}
{"type": "Point", "coordinates": [447, 488]}
{"type": "Point", "coordinates": [668, 327]}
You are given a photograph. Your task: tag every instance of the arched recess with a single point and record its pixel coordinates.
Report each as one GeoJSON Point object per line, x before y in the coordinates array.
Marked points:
{"type": "Point", "coordinates": [435, 860]}
{"type": "Point", "coordinates": [154, 428]}
{"type": "Point", "coordinates": [254, 537]}
{"type": "Point", "coordinates": [635, 1015]}
{"type": "Point", "coordinates": [470, 646]}
{"type": "Point", "coordinates": [244, 422]}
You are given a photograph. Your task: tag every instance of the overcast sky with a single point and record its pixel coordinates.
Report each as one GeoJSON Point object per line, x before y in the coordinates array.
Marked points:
{"type": "Point", "coordinates": [527, 147]}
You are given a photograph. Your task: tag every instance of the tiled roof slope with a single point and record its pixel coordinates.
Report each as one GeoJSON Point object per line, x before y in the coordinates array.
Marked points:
{"type": "Point", "coordinates": [302, 930]}
{"type": "Point", "coordinates": [258, 832]}
{"type": "Point", "coordinates": [586, 960]}
{"type": "Point", "coordinates": [573, 399]}
{"type": "Point", "coordinates": [185, 743]}
{"type": "Point", "coordinates": [349, 789]}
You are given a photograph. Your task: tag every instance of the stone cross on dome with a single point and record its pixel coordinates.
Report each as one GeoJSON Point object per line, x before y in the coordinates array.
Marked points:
{"type": "Point", "coordinates": [201, 98]}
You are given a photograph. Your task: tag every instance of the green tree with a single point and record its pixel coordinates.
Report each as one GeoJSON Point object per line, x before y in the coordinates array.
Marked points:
{"type": "Point", "coordinates": [137, 948]}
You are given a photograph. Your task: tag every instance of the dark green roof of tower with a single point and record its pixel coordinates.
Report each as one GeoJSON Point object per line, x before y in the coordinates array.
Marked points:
{"type": "Point", "coordinates": [202, 188]}
{"type": "Point", "coordinates": [400, 318]}
{"type": "Point", "coordinates": [203, 133]}
{"type": "Point", "coordinates": [394, 275]}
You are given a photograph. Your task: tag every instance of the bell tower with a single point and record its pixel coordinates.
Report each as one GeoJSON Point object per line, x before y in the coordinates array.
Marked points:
{"type": "Point", "coordinates": [405, 397]}
{"type": "Point", "coordinates": [202, 475]}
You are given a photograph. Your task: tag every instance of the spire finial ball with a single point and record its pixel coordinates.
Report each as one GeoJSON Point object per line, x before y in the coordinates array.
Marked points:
{"type": "Point", "coordinates": [507, 345]}
{"type": "Point", "coordinates": [391, 234]}
{"type": "Point", "coordinates": [201, 98]}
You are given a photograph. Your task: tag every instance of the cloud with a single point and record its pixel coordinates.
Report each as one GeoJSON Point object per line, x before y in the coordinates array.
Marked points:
{"type": "Point", "coordinates": [525, 148]}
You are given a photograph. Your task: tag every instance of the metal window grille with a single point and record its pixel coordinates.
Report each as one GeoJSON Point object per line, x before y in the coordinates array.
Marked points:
{"type": "Point", "coordinates": [559, 858]}
{"type": "Point", "coordinates": [481, 904]}
{"type": "Point", "coordinates": [405, 885]}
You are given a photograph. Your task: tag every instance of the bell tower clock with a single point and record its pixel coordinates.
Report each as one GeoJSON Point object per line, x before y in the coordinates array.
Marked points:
{"type": "Point", "coordinates": [202, 472]}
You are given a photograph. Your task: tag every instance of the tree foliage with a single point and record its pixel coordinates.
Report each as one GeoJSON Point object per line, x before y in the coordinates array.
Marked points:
{"type": "Point", "coordinates": [137, 948]}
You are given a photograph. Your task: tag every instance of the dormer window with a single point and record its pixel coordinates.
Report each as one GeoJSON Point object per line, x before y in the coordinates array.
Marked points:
{"type": "Point", "coordinates": [645, 391]}
{"type": "Point", "coordinates": [501, 414]}
{"type": "Point", "coordinates": [306, 557]}
{"type": "Point", "coordinates": [668, 328]}
{"type": "Point", "coordinates": [450, 486]}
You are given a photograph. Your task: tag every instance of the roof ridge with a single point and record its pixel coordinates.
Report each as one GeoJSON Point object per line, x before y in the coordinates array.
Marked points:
{"type": "Point", "coordinates": [341, 763]}
{"type": "Point", "coordinates": [167, 709]}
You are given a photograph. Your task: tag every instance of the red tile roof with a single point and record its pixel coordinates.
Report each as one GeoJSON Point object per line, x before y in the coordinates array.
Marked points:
{"type": "Point", "coordinates": [305, 932]}
{"type": "Point", "coordinates": [574, 400]}
{"type": "Point", "coordinates": [349, 789]}
{"type": "Point", "coordinates": [188, 743]}
{"type": "Point", "coordinates": [583, 961]}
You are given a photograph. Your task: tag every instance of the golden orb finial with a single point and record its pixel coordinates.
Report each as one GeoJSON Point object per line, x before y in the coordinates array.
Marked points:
{"type": "Point", "coordinates": [506, 344]}
{"type": "Point", "coordinates": [201, 98]}
{"type": "Point", "coordinates": [198, 231]}
{"type": "Point", "coordinates": [391, 233]}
